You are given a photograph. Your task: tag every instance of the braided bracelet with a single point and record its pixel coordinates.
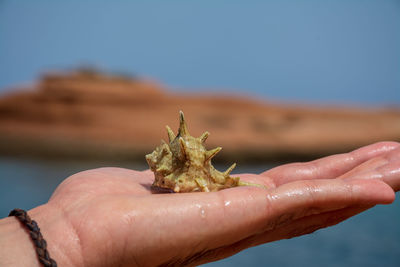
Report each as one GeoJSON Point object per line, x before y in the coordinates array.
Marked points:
{"type": "Point", "coordinates": [37, 238]}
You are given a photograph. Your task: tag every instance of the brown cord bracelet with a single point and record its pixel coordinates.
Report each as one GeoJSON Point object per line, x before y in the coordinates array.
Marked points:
{"type": "Point", "coordinates": [37, 238]}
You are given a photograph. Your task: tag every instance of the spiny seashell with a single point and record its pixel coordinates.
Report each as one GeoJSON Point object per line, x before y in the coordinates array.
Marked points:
{"type": "Point", "coordinates": [184, 164]}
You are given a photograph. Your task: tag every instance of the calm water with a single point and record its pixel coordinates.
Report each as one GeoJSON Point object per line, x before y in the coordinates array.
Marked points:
{"type": "Point", "coordinates": [369, 239]}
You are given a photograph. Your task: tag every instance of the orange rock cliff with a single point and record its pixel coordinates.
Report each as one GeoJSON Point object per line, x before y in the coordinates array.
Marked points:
{"type": "Point", "coordinates": [85, 113]}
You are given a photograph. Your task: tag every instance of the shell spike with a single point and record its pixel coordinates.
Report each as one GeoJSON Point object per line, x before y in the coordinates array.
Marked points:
{"type": "Point", "coordinates": [204, 136]}
{"type": "Point", "coordinates": [183, 147]}
{"type": "Point", "coordinates": [229, 170]}
{"type": "Point", "coordinates": [171, 135]}
{"type": "Point", "coordinates": [183, 131]}
{"type": "Point", "coordinates": [211, 153]}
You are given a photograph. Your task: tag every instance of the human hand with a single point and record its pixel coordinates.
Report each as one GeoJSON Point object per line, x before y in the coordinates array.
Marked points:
{"type": "Point", "coordinates": [108, 216]}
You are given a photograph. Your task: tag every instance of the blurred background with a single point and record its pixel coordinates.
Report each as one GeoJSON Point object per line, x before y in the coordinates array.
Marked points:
{"type": "Point", "coordinates": [86, 84]}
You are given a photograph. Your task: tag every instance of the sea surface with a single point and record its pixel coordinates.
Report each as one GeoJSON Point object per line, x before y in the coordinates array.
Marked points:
{"type": "Point", "coordinates": [369, 239]}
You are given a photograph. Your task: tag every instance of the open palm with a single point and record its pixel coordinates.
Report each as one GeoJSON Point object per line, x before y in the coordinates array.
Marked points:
{"type": "Point", "coordinates": [110, 217]}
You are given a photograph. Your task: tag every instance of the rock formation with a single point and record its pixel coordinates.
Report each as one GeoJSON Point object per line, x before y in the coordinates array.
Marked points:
{"type": "Point", "coordinates": [92, 114]}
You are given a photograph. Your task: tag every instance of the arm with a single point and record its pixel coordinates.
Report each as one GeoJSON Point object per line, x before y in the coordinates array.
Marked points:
{"type": "Point", "coordinates": [15, 245]}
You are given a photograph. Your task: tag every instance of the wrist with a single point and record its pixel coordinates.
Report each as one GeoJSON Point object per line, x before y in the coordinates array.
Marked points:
{"type": "Point", "coordinates": [62, 241]}
{"type": "Point", "coordinates": [17, 247]}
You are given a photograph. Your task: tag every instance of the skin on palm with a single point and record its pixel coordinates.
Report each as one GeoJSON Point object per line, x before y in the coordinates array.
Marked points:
{"type": "Point", "coordinates": [109, 216]}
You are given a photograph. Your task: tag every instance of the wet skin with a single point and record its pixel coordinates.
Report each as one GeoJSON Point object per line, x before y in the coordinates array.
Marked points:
{"type": "Point", "coordinates": [110, 217]}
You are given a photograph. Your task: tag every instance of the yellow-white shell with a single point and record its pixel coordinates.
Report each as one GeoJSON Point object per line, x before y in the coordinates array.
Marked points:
{"type": "Point", "coordinates": [184, 165]}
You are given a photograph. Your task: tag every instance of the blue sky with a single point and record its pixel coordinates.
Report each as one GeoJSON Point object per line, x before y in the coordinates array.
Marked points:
{"type": "Point", "coordinates": [307, 51]}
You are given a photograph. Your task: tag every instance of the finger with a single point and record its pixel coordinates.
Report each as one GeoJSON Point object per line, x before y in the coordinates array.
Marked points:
{"type": "Point", "coordinates": [304, 198]}
{"type": "Point", "coordinates": [375, 163]}
{"type": "Point", "coordinates": [204, 221]}
{"type": "Point", "coordinates": [300, 227]}
{"type": "Point", "coordinates": [390, 174]}
{"type": "Point", "coordinates": [385, 168]}
{"type": "Point", "coordinates": [307, 225]}
{"type": "Point", "coordinates": [328, 167]}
